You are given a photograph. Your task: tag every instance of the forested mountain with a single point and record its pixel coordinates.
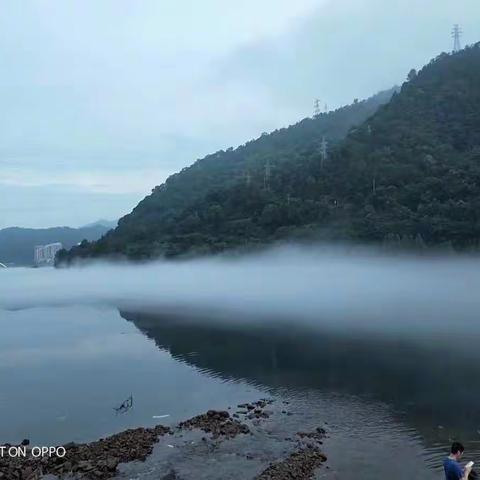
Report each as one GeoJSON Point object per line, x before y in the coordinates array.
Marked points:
{"type": "Point", "coordinates": [147, 231]}
{"type": "Point", "coordinates": [408, 173]}
{"type": "Point", "coordinates": [16, 244]}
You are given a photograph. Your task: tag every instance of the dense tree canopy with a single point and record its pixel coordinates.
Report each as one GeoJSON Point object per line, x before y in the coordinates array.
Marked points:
{"type": "Point", "coordinates": [407, 172]}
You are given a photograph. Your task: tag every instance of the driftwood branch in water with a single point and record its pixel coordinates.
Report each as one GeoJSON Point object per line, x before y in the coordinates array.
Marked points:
{"type": "Point", "coordinates": [125, 406]}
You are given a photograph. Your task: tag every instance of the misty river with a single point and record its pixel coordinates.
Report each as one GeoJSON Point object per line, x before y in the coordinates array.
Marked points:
{"type": "Point", "coordinates": [383, 351]}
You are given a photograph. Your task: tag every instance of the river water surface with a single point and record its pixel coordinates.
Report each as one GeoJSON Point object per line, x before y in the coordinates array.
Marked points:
{"type": "Point", "coordinates": [391, 403]}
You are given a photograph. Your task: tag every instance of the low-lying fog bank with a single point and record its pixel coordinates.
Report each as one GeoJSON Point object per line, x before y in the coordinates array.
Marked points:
{"type": "Point", "coordinates": [330, 288]}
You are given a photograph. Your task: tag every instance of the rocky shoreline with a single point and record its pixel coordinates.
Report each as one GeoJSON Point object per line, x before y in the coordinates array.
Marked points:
{"type": "Point", "coordinates": [97, 460]}
{"type": "Point", "coordinates": [100, 460]}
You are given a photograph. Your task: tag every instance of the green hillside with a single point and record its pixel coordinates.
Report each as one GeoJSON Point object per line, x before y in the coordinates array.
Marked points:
{"type": "Point", "coordinates": [409, 174]}
{"type": "Point", "coordinates": [148, 230]}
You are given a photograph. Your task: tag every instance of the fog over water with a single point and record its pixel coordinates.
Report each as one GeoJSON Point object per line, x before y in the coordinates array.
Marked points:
{"type": "Point", "coordinates": [381, 347]}
{"type": "Point", "coordinates": [327, 288]}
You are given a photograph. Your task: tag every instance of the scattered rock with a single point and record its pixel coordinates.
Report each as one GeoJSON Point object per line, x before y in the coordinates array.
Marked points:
{"type": "Point", "coordinates": [218, 423]}
{"type": "Point", "coordinates": [317, 435]}
{"type": "Point", "coordinates": [99, 460]}
{"type": "Point", "coordinates": [255, 410]}
{"type": "Point", "coordinates": [299, 465]}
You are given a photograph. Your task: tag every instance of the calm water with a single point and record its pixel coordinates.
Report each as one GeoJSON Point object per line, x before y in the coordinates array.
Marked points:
{"type": "Point", "coordinates": [386, 399]}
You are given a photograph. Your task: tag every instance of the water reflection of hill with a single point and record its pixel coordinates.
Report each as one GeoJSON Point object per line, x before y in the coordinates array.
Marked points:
{"type": "Point", "coordinates": [434, 384]}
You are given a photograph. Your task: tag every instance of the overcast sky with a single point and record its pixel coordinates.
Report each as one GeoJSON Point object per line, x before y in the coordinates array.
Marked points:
{"type": "Point", "coordinates": [100, 100]}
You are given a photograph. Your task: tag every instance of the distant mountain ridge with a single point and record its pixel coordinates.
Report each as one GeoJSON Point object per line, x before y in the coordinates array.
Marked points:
{"type": "Point", "coordinates": [16, 244]}
{"type": "Point", "coordinates": [102, 223]}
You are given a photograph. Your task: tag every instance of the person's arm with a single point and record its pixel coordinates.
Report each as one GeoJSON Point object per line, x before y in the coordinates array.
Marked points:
{"type": "Point", "coordinates": [466, 473]}
{"type": "Point", "coordinates": [460, 473]}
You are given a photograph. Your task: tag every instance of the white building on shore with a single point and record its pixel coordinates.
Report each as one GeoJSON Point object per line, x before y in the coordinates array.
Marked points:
{"type": "Point", "coordinates": [45, 254]}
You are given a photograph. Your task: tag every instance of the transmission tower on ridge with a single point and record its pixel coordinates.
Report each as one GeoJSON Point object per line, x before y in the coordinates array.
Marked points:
{"type": "Point", "coordinates": [316, 108]}
{"type": "Point", "coordinates": [266, 177]}
{"type": "Point", "coordinates": [456, 34]}
{"type": "Point", "coordinates": [248, 178]}
{"type": "Point", "coordinates": [323, 151]}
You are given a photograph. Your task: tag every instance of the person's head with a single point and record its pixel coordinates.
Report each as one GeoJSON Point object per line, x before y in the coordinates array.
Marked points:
{"type": "Point", "coordinates": [473, 475]}
{"type": "Point", "coordinates": [457, 450]}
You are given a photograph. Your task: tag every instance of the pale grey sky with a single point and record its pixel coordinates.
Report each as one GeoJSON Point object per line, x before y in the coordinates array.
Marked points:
{"type": "Point", "coordinates": [102, 100]}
